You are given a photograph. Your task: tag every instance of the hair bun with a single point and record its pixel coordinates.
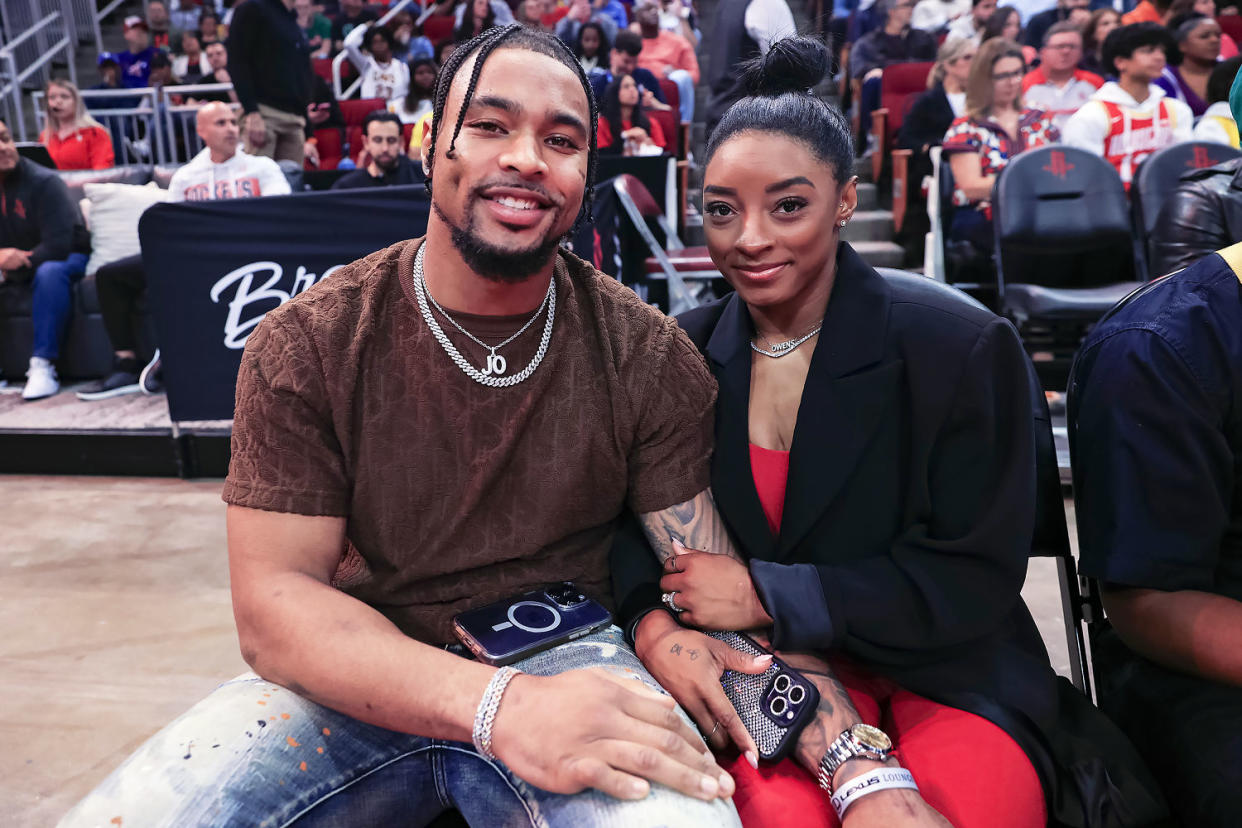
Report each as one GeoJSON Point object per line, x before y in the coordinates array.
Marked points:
{"type": "Point", "coordinates": [792, 64]}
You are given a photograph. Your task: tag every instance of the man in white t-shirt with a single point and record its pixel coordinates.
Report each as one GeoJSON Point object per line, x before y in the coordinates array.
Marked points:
{"type": "Point", "coordinates": [383, 76]}
{"type": "Point", "coordinates": [220, 171]}
{"type": "Point", "coordinates": [1057, 85]}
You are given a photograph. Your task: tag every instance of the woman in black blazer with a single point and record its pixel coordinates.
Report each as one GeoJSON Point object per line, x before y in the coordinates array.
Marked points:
{"type": "Point", "coordinates": [890, 567]}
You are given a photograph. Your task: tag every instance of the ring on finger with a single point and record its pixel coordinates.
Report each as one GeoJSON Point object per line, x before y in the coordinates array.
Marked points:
{"type": "Point", "coordinates": [670, 602]}
{"type": "Point", "coordinates": [715, 727]}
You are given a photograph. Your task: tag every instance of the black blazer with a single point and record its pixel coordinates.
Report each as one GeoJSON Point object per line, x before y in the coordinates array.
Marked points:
{"type": "Point", "coordinates": [927, 121]}
{"type": "Point", "coordinates": [908, 517]}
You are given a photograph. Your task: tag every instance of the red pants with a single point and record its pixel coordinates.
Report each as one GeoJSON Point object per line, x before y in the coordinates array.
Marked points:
{"type": "Point", "coordinates": [967, 768]}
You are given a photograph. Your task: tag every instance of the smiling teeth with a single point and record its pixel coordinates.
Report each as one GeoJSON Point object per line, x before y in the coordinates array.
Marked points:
{"type": "Point", "coordinates": [515, 203]}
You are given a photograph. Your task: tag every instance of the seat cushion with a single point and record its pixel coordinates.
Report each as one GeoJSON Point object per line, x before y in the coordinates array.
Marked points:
{"type": "Point", "coordinates": [1082, 304]}
{"type": "Point", "coordinates": [686, 260]}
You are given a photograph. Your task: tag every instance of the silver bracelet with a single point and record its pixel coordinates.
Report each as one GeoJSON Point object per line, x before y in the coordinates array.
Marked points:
{"type": "Point", "coordinates": [485, 716]}
{"type": "Point", "coordinates": [881, 779]}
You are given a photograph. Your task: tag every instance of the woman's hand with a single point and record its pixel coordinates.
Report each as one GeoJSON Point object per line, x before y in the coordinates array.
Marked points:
{"type": "Point", "coordinates": [636, 134]}
{"type": "Point", "coordinates": [715, 591]}
{"type": "Point", "coordinates": [688, 664]}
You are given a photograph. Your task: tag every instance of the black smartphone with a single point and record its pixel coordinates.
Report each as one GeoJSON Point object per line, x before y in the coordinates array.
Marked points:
{"type": "Point", "coordinates": [774, 705]}
{"type": "Point", "coordinates": [517, 628]}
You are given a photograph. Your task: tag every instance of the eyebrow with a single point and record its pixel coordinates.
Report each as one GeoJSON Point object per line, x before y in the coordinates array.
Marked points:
{"type": "Point", "coordinates": [512, 107]}
{"type": "Point", "coordinates": [771, 188]}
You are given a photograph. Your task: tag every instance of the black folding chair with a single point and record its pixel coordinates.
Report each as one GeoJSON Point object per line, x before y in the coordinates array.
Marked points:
{"type": "Point", "coordinates": [1065, 251]}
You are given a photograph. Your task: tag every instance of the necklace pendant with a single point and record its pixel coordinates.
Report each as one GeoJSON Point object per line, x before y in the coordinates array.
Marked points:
{"type": "Point", "coordinates": [782, 346]}
{"type": "Point", "coordinates": [496, 365]}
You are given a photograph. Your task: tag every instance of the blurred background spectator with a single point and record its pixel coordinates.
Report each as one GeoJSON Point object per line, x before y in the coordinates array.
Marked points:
{"type": "Point", "coordinates": [667, 55]}
{"type": "Point", "coordinates": [74, 139]}
{"type": "Point", "coordinates": [1217, 124]}
{"type": "Point", "coordinates": [353, 14]}
{"type": "Point", "coordinates": [383, 76]}
{"type": "Point", "coordinates": [573, 24]}
{"type": "Point", "coordinates": [936, 15]}
{"type": "Point", "coordinates": [1097, 27]}
{"type": "Point", "coordinates": [410, 44]}
{"type": "Point", "coordinates": [383, 162]}
{"type": "Point", "coordinates": [162, 35]}
{"type": "Point", "coordinates": [995, 128]}
{"type": "Point", "coordinates": [191, 63]}
{"type": "Point", "coordinates": [1195, 56]}
{"type": "Point", "coordinates": [481, 17]}
{"type": "Point", "coordinates": [316, 27]}
{"type": "Point", "coordinates": [135, 61]}
{"type": "Point", "coordinates": [591, 47]}
{"type": "Point", "coordinates": [184, 15]}
{"type": "Point", "coordinates": [1057, 85]}
{"type": "Point", "coordinates": [269, 61]}
{"type": "Point", "coordinates": [894, 42]}
{"type": "Point", "coordinates": [624, 128]}
{"type": "Point", "coordinates": [970, 26]}
{"type": "Point", "coordinates": [421, 95]}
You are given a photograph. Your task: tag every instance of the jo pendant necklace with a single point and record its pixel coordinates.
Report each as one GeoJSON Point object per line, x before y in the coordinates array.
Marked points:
{"type": "Point", "coordinates": [776, 350]}
{"type": "Point", "coordinates": [496, 364]}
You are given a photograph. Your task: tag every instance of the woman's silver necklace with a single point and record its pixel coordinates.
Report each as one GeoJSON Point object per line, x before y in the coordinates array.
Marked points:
{"type": "Point", "coordinates": [780, 349]}
{"type": "Point", "coordinates": [496, 364]}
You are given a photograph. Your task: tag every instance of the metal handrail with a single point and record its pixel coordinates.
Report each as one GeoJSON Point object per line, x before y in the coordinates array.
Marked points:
{"type": "Point", "coordinates": [12, 89]}
{"type": "Point", "coordinates": [340, 59]}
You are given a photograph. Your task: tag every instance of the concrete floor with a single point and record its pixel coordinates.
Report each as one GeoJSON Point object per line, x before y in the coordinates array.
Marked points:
{"type": "Point", "coordinates": [115, 618]}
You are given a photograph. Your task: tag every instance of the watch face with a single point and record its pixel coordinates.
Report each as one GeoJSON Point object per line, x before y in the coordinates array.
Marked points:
{"type": "Point", "coordinates": [871, 738]}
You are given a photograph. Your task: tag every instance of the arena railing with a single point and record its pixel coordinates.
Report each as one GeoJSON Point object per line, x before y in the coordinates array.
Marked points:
{"type": "Point", "coordinates": [149, 128]}
{"type": "Point", "coordinates": [339, 61]}
{"type": "Point", "coordinates": [28, 54]}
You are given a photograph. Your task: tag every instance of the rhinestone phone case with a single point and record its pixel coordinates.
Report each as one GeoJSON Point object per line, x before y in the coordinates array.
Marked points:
{"type": "Point", "coordinates": [774, 705]}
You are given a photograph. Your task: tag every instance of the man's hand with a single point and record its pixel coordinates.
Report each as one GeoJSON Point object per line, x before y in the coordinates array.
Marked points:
{"type": "Point", "coordinates": [317, 113]}
{"type": "Point", "coordinates": [873, 74]}
{"type": "Point", "coordinates": [689, 664]}
{"type": "Point", "coordinates": [715, 591]}
{"type": "Point", "coordinates": [311, 150]}
{"type": "Point", "coordinates": [223, 76]}
{"type": "Point", "coordinates": [13, 259]}
{"type": "Point", "coordinates": [256, 131]}
{"type": "Point", "coordinates": [591, 729]}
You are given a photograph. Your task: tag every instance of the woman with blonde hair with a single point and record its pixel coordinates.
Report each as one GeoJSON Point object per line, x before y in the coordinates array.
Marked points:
{"type": "Point", "coordinates": [74, 139]}
{"type": "Point", "coordinates": [945, 99]}
{"type": "Point", "coordinates": [995, 128]}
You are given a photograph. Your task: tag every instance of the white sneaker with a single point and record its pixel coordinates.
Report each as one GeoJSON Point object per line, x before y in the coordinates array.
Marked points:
{"type": "Point", "coordinates": [40, 380]}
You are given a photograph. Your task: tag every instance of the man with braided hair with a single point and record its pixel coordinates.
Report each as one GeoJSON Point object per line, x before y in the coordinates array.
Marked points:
{"type": "Point", "coordinates": [449, 422]}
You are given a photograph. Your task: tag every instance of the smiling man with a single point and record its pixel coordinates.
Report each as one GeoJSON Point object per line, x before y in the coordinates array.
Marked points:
{"type": "Point", "coordinates": [446, 423]}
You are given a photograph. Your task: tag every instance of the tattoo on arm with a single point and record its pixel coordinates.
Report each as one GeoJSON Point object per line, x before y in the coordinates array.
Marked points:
{"type": "Point", "coordinates": [836, 711]}
{"type": "Point", "coordinates": [695, 523]}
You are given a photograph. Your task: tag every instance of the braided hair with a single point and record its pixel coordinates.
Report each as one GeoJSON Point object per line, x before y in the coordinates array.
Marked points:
{"type": "Point", "coordinates": [514, 36]}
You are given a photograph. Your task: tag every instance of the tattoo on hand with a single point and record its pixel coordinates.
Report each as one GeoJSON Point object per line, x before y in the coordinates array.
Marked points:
{"type": "Point", "coordinates": [694, 654]}
{"type": "Point", "coordinates": [675, 649]}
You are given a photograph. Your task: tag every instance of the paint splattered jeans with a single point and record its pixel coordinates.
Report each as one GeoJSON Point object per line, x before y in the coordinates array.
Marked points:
{"type": "Point", "coordinates": [255, 754]}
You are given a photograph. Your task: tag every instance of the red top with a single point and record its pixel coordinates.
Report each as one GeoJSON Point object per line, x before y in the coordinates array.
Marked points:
{"type": "Point", "coordinates": [604, 139]}
{"type": "Point", "coordinates": [770, 469]}
{"type": "Point", "coordinates": [89, 148]}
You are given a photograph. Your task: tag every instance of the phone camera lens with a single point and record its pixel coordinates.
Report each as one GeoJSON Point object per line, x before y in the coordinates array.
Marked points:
{"type": "Point", "coordinates": [782, 683]}
{"type": "Point", "coordinates": [797, 695]}
{"type": "Point", "coordinates": [779, 706]}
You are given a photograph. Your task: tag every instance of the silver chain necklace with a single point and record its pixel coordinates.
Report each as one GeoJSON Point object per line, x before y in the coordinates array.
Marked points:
{"type": "Point", "coordinates": [780, 349]}
{"type": "Point", "coordinates": [496, 364]}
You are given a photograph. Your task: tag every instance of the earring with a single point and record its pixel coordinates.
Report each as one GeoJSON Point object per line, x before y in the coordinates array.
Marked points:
{"type": "Point", "coordinates": [842, 222]}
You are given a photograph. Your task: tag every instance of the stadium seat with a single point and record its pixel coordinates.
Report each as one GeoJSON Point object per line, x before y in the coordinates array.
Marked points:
{"type": "Point", "coordinates": [438, 28]}
{"type": "Point", "coordinates": [1064, 249]}
{"type": "Point", "coordinates": [353, 137]}
{"type": "Point", "coordinates": [331, 148]}
{"type": "Point", "coordinates": [672, 95]}
{"type": "Point", "coordinates": [323, 68]}
{"type": "Point", "coordinates": [670, 128]}
{"type": "Point", "coordinates": [1231, 24]}
{"type": "Point", "coordinates": [354, 112]}
{"type": "Point", "coordinates": [900, 84]}
{"type": "Point", "coordinates": [1157, 177]}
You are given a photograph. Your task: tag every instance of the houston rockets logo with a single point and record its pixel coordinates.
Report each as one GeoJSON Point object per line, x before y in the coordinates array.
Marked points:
{"type": "Point", "coordinates": [1057, 165]}
{"type": "Point", "coordinates": [1201, 159]}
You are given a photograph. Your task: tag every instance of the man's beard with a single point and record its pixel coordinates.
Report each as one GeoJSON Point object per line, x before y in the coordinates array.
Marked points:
{"type": "Point", "coordinates": [390, 166]}
{"type": "Point", "coordinates": [497, 264]}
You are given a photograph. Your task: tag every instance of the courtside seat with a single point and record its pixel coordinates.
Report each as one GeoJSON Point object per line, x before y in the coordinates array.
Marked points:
{"type": "Point", "coordinates": [692, 262]}
{"type": "Point", "coordinates": [438, 28]}
{"type": "Point", "coordinates": [900, 84]}
{"type": "Point", "coordinates": [1065, 251]}
{"type": "Point", "coordinates": [1158, 176]}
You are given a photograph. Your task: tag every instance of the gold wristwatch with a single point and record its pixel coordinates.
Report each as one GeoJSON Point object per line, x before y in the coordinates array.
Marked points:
{"type": "Point", "coordinates": [860, 741]}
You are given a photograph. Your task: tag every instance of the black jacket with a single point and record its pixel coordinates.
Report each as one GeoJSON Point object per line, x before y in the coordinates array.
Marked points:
{"type": "Point", "coordinates": [1203, 215]}
{"type": "Point", "coordinates": [37, 214]}
{"type": "Point", "coordinates": [927, 121]}
{"type": "Point", "coordinates": [269, 58]}
{"type": "Point", "coordinates": [407, 172]}
{"type": "Point", "coordinates": [908, 522]}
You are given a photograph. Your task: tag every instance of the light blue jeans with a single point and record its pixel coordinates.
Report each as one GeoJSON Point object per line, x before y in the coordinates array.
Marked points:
{"type": "Point", "coordinates": [685, 91]}
{"type": "Point", "coordinates": [256, 754]}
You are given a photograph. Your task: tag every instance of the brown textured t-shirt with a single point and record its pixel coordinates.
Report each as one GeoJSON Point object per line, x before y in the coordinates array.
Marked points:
{"type": "Point", "coordinates": [458, 494]}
